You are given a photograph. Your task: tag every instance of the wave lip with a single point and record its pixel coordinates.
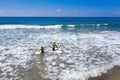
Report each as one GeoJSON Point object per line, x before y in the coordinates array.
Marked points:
{"type": "Point", "coordinates": [30, 27]}
{"type": "Point", "coordinates": [71, 25]}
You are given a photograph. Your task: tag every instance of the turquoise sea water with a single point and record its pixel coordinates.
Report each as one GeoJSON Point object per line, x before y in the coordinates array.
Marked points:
{"type": "Point", "coordinates": [90, 46]}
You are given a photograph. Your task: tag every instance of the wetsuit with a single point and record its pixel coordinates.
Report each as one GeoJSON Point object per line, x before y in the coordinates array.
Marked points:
{"type": "Point", "coordinates": [54, 46]}
{"type": "Point", "coordinates": [42, 50]}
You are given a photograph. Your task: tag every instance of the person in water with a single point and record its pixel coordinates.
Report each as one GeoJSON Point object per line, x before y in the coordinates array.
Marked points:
{"type": "Point", "coordinates": [54, 46]}
{"type": "Point", "coordinates": [41, 50]}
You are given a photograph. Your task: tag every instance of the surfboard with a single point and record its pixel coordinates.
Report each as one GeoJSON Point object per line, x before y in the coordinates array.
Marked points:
{"type": "Point", "coordinates": [37, 52]}
{"type": "Point", "coordinates": [58, 51]}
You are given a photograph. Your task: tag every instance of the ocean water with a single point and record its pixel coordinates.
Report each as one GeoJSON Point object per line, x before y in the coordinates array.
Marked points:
{"type": "Point", "coordinates": [89, 47]}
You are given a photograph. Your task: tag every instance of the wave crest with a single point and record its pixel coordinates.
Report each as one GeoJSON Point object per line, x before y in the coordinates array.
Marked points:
{"type": "Point", "coordinates": [30, 27]}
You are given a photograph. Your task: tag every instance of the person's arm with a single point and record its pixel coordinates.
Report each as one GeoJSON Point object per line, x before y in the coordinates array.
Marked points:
{"type": "Point", "coordinates": [56, 46]}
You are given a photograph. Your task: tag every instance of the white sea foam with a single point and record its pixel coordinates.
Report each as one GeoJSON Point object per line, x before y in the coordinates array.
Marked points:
{"type": "Point", "coordinates": [98, 24]}
{"type": "Point", "coordinates": [105, 24]}
{"type": "Point", "coordinates": [30, 27]}
{"type": "Point", "coordinates": [71, 25]}
{"type": "Point", "coordinates": [83, 55]}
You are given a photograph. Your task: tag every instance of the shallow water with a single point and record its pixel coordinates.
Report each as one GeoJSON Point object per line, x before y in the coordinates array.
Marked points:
{"type": "Point", "coordinates": [85, 53]}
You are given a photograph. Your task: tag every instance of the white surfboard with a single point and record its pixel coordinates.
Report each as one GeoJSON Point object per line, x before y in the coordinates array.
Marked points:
{"type": "Point", "coordinates": [58, 51]}
{"type": "Point", "coordinates": [37, 52]}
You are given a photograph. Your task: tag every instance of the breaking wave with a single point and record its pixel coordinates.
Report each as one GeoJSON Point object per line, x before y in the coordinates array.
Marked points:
{"type": "Point", "coordinates": [63, 26]}
{"type": "Point", "coordinates": [30, 27]}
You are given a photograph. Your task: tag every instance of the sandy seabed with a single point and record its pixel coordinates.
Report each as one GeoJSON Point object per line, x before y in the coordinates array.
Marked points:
{"type": "Point", "coordinates": [112, 74]}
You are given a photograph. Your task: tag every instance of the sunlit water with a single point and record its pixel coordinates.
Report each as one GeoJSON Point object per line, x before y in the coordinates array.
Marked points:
{"type": "Point", "coordinates": [84, 53]}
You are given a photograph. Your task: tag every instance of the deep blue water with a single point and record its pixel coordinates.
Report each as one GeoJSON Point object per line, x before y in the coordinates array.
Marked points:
{"type": "Point", "coordinates": [59, 20]}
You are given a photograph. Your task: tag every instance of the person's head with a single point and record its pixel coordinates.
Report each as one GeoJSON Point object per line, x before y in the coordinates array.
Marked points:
{"type": "Point", "coordinates": [41, 47]}
{"type": "Point", "coordinates": [53, 42]}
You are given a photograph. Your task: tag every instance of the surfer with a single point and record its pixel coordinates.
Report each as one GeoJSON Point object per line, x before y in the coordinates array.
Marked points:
{"type": "Point", "coordinates": [41, 50]}
{"type": "Point", "coordinates": [54, 46]}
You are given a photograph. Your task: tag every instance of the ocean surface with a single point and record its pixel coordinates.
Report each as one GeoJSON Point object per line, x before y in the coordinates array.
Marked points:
{"type": "Point", "coordinates": [89, 46]}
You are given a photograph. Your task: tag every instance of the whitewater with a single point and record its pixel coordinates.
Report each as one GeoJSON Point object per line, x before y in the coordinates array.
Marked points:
{"type": "Point", "coordinates": [85, 53]}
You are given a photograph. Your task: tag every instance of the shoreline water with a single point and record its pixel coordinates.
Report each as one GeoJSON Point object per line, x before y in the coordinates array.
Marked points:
{"type": "Point", "coordinates": [34, 74]}
{"type": "Point", "coordinates": [112, 74]}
